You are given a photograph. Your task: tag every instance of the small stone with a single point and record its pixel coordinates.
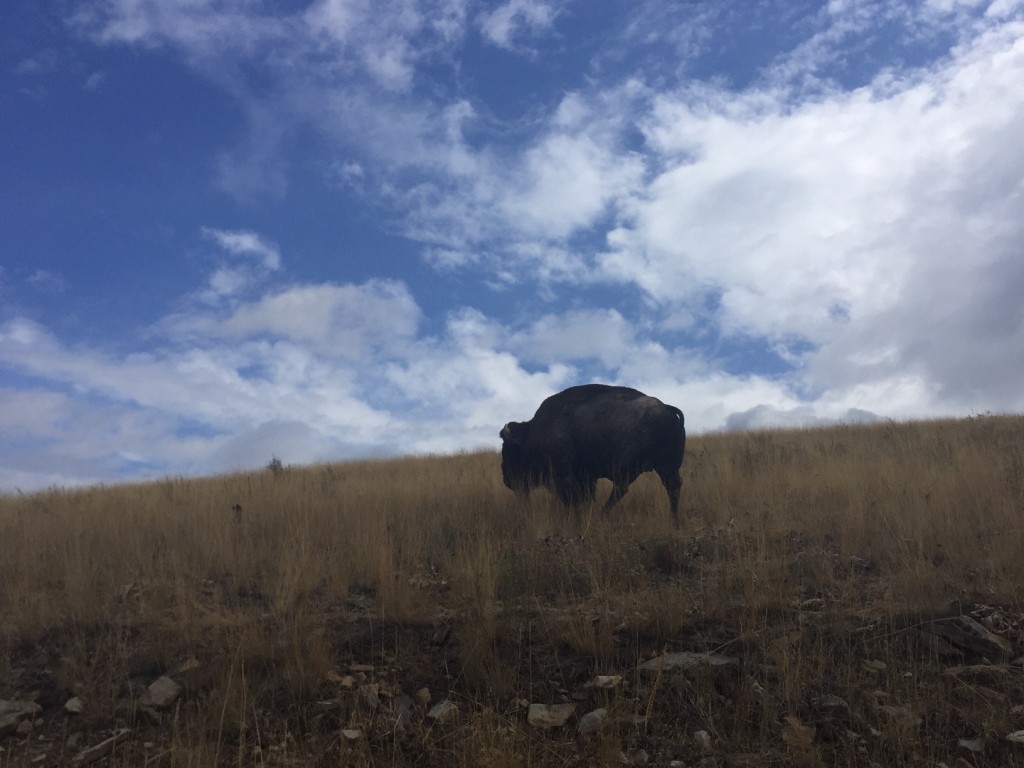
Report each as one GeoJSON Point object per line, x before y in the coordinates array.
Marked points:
{"type": "Point", "coordinates": [832, 705]}
{"type": "Point", "coordinates": [24, 728]}
{"type": "Point", "coordinates": [904, 717]}
{"type": "Point", "coordinates": [1017, 737]}
{"type": "Point", "coordinates": [440, 635]}
{"type": "Point", "coordinates": [402, 712]}
{"type": "Point", "coordinates": [703, 740]}
{"type": "Point", "coordinates": [351, 734]}
{"type": "Point", "coordinates": [979, 673]}
{"type": "Point", "coordinates": [549, 715]}
{"type": "Point", "coordinates": [686, 660]}
{"type": "Point", "coordinates": [607, 682]}
{"type": "Point", "coordinates": [639, 757]}
{"type": "Point", "coordinates": [369, 695]}
{"type": "Point", "coordinates": [592, 722]}
{"type": "Point", "coordinates": [423, 697]}
{"type": "Point", "coordinates": [797, 735]}
{"type": "Point", "coordinates": [161, 693]}
{"type": "Point", "coordinates": [976, 746]}
{"type": "Point", "coordinates": [190, 664]}
{"type": "Point", "coordinates": [74, 706]}
{"type": "Point", "coordinates": [13, 712]}
{"type": "Point", "coordinates": [92, 754]}
{"type": "Point", "coordinates": [443, 712]}
{"type": "Point", "coordinates": [971, 637]}
{"type": "Point", "coordinates": [875, 665]}
{"type": "Point", "coordinates": [360, 668]}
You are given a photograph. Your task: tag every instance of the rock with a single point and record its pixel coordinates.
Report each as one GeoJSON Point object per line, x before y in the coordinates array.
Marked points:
{"type": "Point", "coordinates": [549, 715]}
{"type": "Point", "coordinates": [875, 665]}
{"type": "Point", "coordinates": [971, 637]}
{"type": "Point", "coordinates": [703, 740]}
{"type": "Point", "coordinates": [937, 645]}
{"type": "Point", "coordinates": [639, 757]}
{"type": "Point", "coordinates": [369, 695]}
{"type": "Point", "coordinates": [13, 712]}
{"type": "Point", "coordinates": [592, 722]}
{"type": "Point", "coordinates": [685, 660]}
{"type": "Point", "coordinates": [104, 748]}
{"type": "Point", "coordinates": [191, 664]}
{"type": "Point", "coordinates": [813, 604]}
{"type": "Point", "coordinates": [905, 718]}
{"type": "Point", "coordinates": [402, 712]}
{"type": "Point", "coordinates": [443, 712]}
{"type": "Point", "coordinates": [797, 735]}
{"type": "Point", "coordinates": [351, 734]}
{"type": "Point", "coordinates": [423, 697]}
{"type": "Point", "coordinates": [24, 728]}
{"type": "Point", "coordinates": [862, 565]}
{"type": "Point", "coordinates": [161, 693]}
{"type": "Point", "coordinates": [979, 673]}
{"type": "Point", "coordinates": [606, 682]}
{"type": "Point", "coordinates": [1017, 737]}
{"type": "Point", "coordinates": [440, 635]}
{"type": "Point", "coordinates": [976, 746]}
{"type": "Point", "coordinates": [832, 706]}
{"type": "Point", "coordinates": [74, 706]}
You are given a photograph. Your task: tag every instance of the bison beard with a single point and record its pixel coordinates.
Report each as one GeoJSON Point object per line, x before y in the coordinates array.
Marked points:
{"type": "Point", "coordinates": [594, 431]}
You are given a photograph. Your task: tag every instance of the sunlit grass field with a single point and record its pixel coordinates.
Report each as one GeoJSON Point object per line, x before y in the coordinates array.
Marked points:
{"type": "Point", "coordinates": [315, 604]}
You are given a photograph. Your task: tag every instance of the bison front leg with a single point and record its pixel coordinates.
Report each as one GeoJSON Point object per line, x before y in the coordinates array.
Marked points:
{"type": "Point", "coordinates": [618, 491]}
{"type": "Point", "coordinates": [572, 493]}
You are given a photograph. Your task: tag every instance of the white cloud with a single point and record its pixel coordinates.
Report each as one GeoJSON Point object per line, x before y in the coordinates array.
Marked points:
{"type": "Point", "coordinates": [879, 225]}
{"type": "Point", "coordinates": [242, 243]}
{"type": "Point", "coordinates": [515, 18]}
{"type": "Point", "coordinates": [42, 63]}
{"type": "Point", "coordinates": [348, 321]}
{"type": "Point", "coordinates": [578, 335]}
{"type": "Point", "coordinates": [48, 282]}
{"type": "Point", "coordinates": [253, 259]}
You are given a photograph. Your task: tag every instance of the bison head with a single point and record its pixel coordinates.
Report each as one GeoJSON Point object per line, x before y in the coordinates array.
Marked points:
{"type": "Point", "coordinates": [514, 467]}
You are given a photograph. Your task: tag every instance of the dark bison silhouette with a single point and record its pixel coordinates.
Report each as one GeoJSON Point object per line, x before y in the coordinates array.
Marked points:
{"type": "Point", "coordinates": [593, 431]}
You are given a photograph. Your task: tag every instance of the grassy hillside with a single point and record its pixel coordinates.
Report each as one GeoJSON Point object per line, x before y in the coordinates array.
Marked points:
{"type": "Point", "coordinates": [308, 614]}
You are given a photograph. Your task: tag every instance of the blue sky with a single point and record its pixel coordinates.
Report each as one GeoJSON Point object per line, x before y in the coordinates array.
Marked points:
{"type": "Point", "coordinates": [326, 229]}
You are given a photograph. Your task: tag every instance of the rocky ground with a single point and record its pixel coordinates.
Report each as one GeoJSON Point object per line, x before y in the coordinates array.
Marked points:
{"type": "Point", "coordinates": [814, 685]}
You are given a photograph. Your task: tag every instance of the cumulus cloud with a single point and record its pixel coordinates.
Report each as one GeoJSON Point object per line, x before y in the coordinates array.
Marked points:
{"type": "Point", "coordinates": [799, 417]}
{"type": "Point", "coordinates": [515, 18]}
{"type": "Point", "coordinates": [348, 321]}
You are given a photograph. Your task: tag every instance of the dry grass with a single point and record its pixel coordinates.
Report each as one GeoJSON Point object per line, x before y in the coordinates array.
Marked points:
{"type": "Point", "coordinates": [803, 554]}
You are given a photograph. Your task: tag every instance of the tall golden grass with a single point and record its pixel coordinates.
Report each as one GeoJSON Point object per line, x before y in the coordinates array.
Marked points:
{"type": "Point", "coordinates": [804, 554]}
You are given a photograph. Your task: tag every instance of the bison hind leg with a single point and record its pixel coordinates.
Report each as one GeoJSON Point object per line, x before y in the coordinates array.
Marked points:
{"type": "Point", "coordinates": [673, 483]}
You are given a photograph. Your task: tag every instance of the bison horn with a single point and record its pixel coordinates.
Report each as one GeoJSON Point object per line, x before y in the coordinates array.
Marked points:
{"type": "Point", "coordinates": [505, 432]}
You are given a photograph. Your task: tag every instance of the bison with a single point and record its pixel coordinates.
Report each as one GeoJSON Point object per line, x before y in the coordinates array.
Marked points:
{"type": "Point", "coordinates": [593, 431]}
